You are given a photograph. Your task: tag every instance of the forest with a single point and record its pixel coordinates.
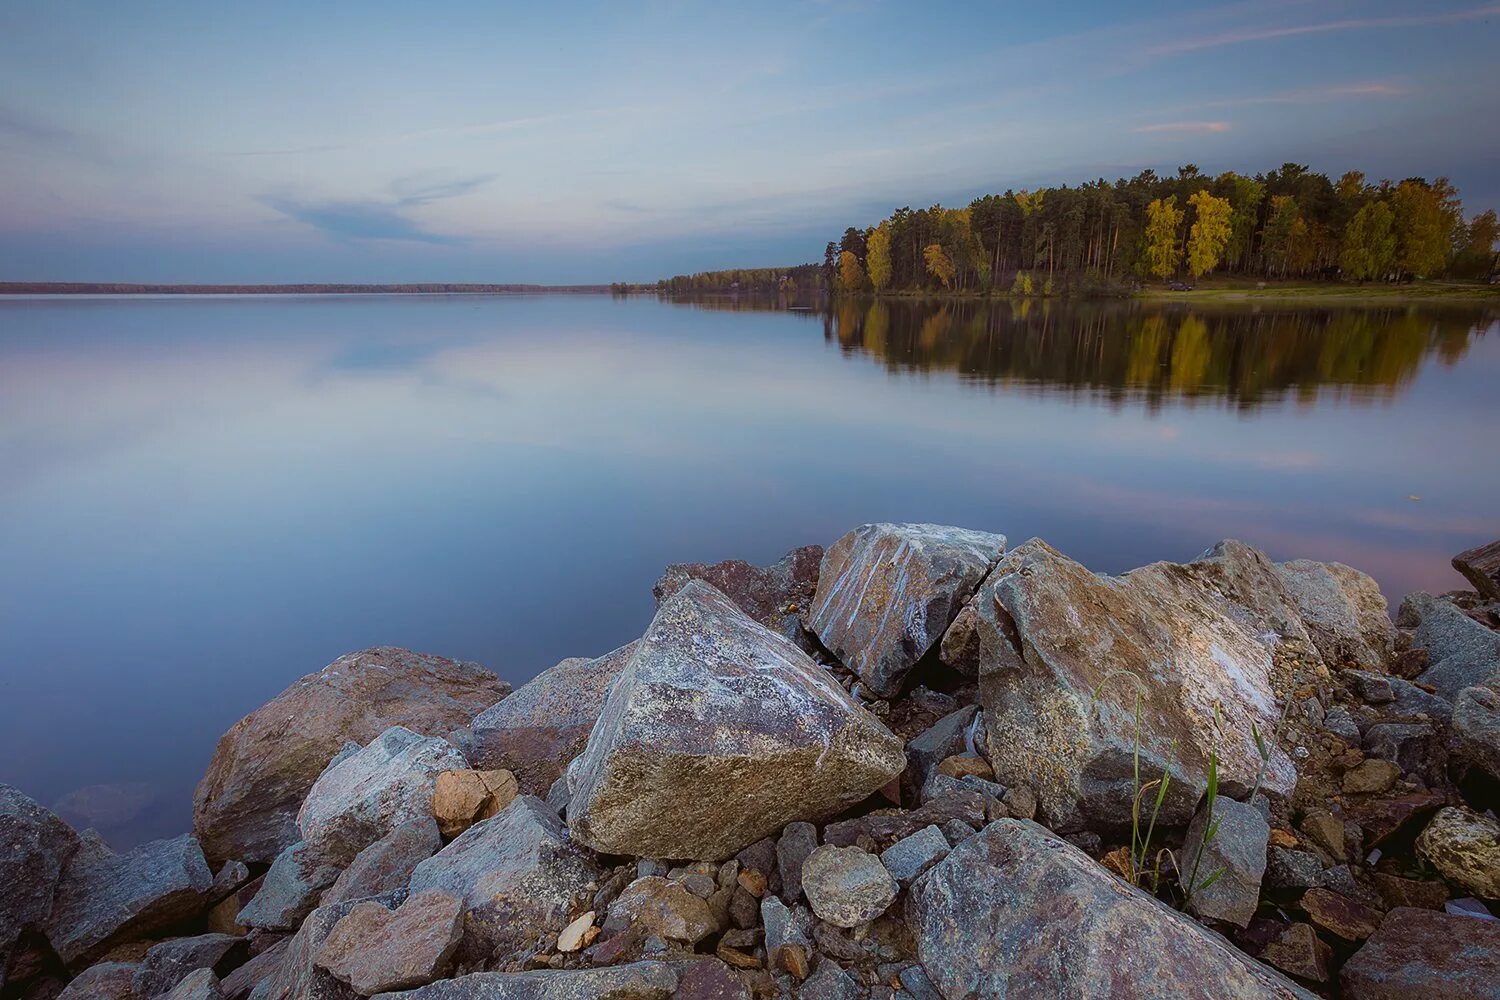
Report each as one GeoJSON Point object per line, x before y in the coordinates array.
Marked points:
{"type": "Point", "coordinates": [1290, 223]}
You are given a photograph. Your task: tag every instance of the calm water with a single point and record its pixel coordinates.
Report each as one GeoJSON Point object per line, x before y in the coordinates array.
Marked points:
{"type": "Point", "coordinates": [203, 499]}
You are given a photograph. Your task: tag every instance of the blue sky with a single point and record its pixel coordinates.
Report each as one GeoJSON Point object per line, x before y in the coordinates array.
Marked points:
{"type": "Point", "coordinates": [575, 142]}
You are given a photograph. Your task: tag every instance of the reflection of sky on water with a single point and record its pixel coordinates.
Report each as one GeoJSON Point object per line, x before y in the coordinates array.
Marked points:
{"type": "Point", "coordinates": [205, 499]}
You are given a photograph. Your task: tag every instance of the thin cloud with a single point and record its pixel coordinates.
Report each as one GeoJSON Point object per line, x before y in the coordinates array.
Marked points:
{"type": "Point", "coordinates": [1194, 128]}
{"type": "Point", "coordinates": [1242, 36]}
{"type": "Point", "coordinates": [378, 220]}
{"type": "Point", "coordinates": [1314, 95]}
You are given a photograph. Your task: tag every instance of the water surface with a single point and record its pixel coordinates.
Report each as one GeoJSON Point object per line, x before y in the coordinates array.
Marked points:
{"type": "Point", "coordinates": [204, 498]}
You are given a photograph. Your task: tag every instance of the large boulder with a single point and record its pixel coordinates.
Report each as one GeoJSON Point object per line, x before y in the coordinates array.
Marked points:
{"type": "Point", "coordinates": [1016, 911]}
{"type": "Point", "coordinates": [718, 733]}
{"type": "Point", "coordinates": [1426, 954]}
{"type": "Point", "coordinates": [637, 981]}
{"type": "Point", "coordinates": [537, 731]}
{"type": "Point", "coordinates": [846, 886]}
{"type": "Point", "coordinates": [1343, 610]}
{"type": "Point", "coordinates": [518, 875]}
{"type": "Point", "coordinates": [1481, 567]}
{"type": "Point", "coordinates": [35, 847]}
{"type": "Point", "coordinates": [169, 963]}
{"type": "Point", "coordinates": [887, 592]}
{"type": "Point", "coordinates": [299, 976]}
{"type": "Point", "coordinates": [1461, 652]}
{"type": "Point", "coordinates": [364, 796]}
{"type": "Point", "coordinates": [376, 950]}
{"type": "Point", "coordinates": [1253, 590]}
{"type": "Point", "coordinates": [105, 898]}
{"type": "Point", "coordinates": [1063, 653]}
{"type": "Point", "coordinates": [1464, 847]}
{"type": "Point", "coordinates": [766, 593]}
{"type": "Point", "coordinates": [1476, 727]}
{"type": "Point", "coordinates": [246, 805]}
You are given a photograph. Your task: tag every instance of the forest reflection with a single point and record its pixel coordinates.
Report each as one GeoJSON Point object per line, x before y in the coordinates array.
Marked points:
{"type": "Point", "coordinates": [1129, 351]}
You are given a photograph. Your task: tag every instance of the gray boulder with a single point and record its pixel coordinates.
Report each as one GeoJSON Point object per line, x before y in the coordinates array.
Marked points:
{"type": "Point", "coordinates": [1248, 587]}
{"type": "Point", "coordinates": [105, 981]}
{"type": "Point", "coordinates": [536, 731]}
{"type": "Point", "coordinates": [1426, 954]}
{"type": "Point", "coordinates": [376, 950]}
{"type": "Point", "coordinates": [299, 977]}
{"type": "Point", "coordinates": [829, 982]}
{"type": "Point", "coordinates": [35, 847]}
{"type": "Point", "coordinates": [1343, 610]}
{"type": "Point", "coordinates": [365, 796]}
{"type": "Point", "coordinates": [1063, 652]}
{"type": "Point", "coordinates": [911, 856]}
{"type": "Point", "coordinates": [246, 805]}
{"type": "Point", "coordinates": [847, 886]}
{"type": "Point", "coordinates": [168, 963]}
{"type": "Point", "coordinates": [1017, 911]}
{"type": "Point", "coordinates": [105, 898]}
{"type": "Point", "coordinates": [388, 863]}
{"type": "Point", "coordinates": [1460, 652]}
{"type": "Point", "coordinates": [797, 841]}
{"type": "Point", "coordinates": [1237, 851]}
{"type": "Point", "coordinates": [290, 891]}
{"type": "Point", "coordinates": [887, 592]}
{"type": "Point", "coordinates": [1476, 728]}
{"type": "Point", "coordinates": [944, 738]}
{"type": "Point", "coordinates": [201, 984]}
{"type": "Point", "coordinates": [518, 875]}
{"type": "Point", "coordinates": [1464, 847]}
{"type": "Point", "coordinates": [637, 981]}
{"type": "Point", "coordinates": [718, 733]}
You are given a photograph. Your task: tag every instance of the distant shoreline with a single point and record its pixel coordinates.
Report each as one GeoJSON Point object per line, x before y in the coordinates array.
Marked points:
{"type": "Point", "coordinates": [123, 288]}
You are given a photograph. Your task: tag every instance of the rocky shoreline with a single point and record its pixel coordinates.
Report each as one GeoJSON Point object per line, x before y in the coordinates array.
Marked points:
{"type": "Point", "coordinates": [922, 764]}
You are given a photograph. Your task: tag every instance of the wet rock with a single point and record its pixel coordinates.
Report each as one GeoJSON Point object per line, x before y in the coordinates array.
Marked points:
{"type": "Point", "coordinates": [105, 898]}
{"type": "Point", "coordinates": [1481, 567]}
{"type": "Point", "coordinates": [246, 805]}
{"type": "Point", "coordinates": [1460, 652]}
{"type": "Point", "coordinates": [464, 797]}
{"type": "Point", "coordinates": [1343, 610]}
{"type": "Point", "coordinates": [105, 981]}
{"type": "Point", "coordinates": [240, 983]}
{"type": "Point", "coordinates": [388, 863]}
{"type": "Point", "coordinates": [653, 905]}
{"type": "Point", "coordinates": [1476, 728]}
{"type": "Point", "coordinates": [1419, 953]}
{"type": "Point", "coordinates": [727, 728]}
{"type": "Point", "coordinates": [200, 984]}
{"type": "Point", "coordinates": [376, 950]}
{"type": "Point", "coordinates": [519, 877]}
{"type": "Point", "coordinates": [1339, 915]}
{"type": "Point", "coordinates": [637, 981]}
{"type": "Point", "coordinates": [797, 841]}
{"type": "Point", "coordinates": [168, 963]}
{"type": "Point", "coordinates": [1039, 620]}
{"type": "Point", "coordinates": [35, 847]}
{"type": "Point", "coordinates": [1015, 910]}
{"type": "Point", "coordinates": [763, 593]}
{"type": "Point", "coordinates": [364, 796]}
{"type": "Point", "coordinates": [829, 982]}
{"type": "Point", "coordinates": [1298, 951]}
{"type": "Point", "coordinates": [290, 891]}
{"type": "Point", "coordinates": [847, 886]}
{"type": "Point", "coordinates": [540, 728]}
{"type": "Point", "coordinates": [888, 592]}
{"type": "Point", "coordinates": [299, 977]}
{"type": "Point", "coordinates": [909, 857]}
{"type": "Point", "coordinates": [1370, 777]}
{"type": "Point", "coordinates": [1464, 847]}
{"type": "Point", "coordinates": [1238, 850]}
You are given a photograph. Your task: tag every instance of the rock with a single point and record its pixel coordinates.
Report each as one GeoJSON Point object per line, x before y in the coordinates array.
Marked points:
{"type": "Point", "coordinates": [884, 829]}
{"type": "Point", "coordinates": [1343, 610]}
{"type": "Point", "coordinates": [1481, 567]}
{"type": "Point", "coordinates": [1016, 911]}
{"type": "Point", "coordinates": [911, 856]}
{"type": "Point", "coordinates": [1398, 698]}
{"type": "Point", "coordinates": [1251, 590]}
{"type": "Point", "coordinates": [105, 981]}
{"type": "Point", "coordinates": [1370, 777]}
{"type": "Point", "coordinates": [1384, 817]}
{"type": "Point", "coordinates": [1460, 652]}
{"type": "Point", "coordinates": [797, 841]}
{"type": "Point", "coordinates": [888, 592]}
{"type": "Point", "coordinates": [168, 963]}
{"type": "Point", "coordinates": [376, 950]}
{"type": "Point", "coordinates": [200, 984]}
{"type": "Point", "coordinates": [232, 875]}
{"type": "Point", "coordinates": [1238, 850]}
{"type": "Point", "coordinates": [787, 946]}
{"type": "Point", "coordinates": [1409, 745]}
{"type": "Point", "coordinates": [290, 891]}
{"type": "Point", "coordinates": [637, 981]}
{"type": "Point", "coordinates": [240, 983]}
{"type": "Point", "coordinates": [388, 863]}
{"type": "Point", "coordinates": [1298, 951]}
{"type": "Point", "coordinates": [1464, 847]}
{"type": "Point", "coordinates": [847, 886]}
{"type": "Point", "coordinates": [1340, 723]}
{"type": "Point", "coordinates": [464, 797]}
{"type": "Point", "coordinates": [1396, 891]}
{"type": "Point", "coordinates": [519, 877]}
{"type": "Point", "coordinates": [948, 736]}
{"type": "Point", "coordinates": [965, 766]}
{"type": "Point", "coordinates": [706, 979]}
{"type": "Point", "coordinates": [365, 796]}
{"type": "Point", "coordinates": [105, 898]}
{"type": "Point", "coordinates": [299, 977]}
{"type": "Point", "coordinates": [1476, 728]}
{"type": "Point", "coordinates": [1326, 832]}
{"type": "Point", "coordinates": [656, 906]}
{"type": "Point", "coordinates": [1419, 953]}
{"type": "Point", "coordinates": [1046, 728]}
{"type": "Point", "coordinates": [726, 728]}
{"type": "Point", "coordinates": [762, 593]}
{"type": "Point", "coordinates": [35, 847]}
{"type": "Point", "coordinates": [246, 805]}
{"type": "Point", "coordinates": [1339, 915]}
{"type": "Point", "coordinates": [537, 731]}
{"type": "Point", "coordinates": [577, 934]}
{"type": "Point", "coordinates": [1288, 869]}
{"type": "Point", "coordinates": [829, 982]}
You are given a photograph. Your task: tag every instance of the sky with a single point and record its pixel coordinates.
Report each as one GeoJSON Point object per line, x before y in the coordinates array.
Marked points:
{"type": "Point", "coordinates": [602, 141]}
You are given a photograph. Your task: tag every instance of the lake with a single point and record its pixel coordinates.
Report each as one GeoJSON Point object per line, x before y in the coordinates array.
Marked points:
{"type": "Point", "coordinates": [205, 498]}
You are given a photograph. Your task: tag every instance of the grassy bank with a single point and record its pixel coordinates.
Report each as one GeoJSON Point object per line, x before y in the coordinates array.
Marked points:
{"type": "Point", "coordinates": [1327, 292]}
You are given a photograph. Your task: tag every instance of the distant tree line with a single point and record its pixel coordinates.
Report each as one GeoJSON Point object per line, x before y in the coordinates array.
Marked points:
{"type": "Point", "coordinates": [1289, 223]}
{"type": "Point", "coordinates": [759, 280]}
